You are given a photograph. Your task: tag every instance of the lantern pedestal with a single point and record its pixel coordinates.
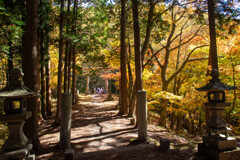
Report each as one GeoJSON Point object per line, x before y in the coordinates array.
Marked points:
{"type": "Point", "coordinates": [19, 154]}
{"type": "Point", "coordinates": [220, 143]}
{"type": "Point", "coordinates": [17, 139]}
{"type": "Point", "coordinates": [217, 144]}
{"type": "Point", "coordinates": [206, 150]}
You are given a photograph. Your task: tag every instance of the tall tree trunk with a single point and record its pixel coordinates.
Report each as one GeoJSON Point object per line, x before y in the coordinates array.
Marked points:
{"type": "Point", "coordinates": [10, 59]}
{"type": "Point", "coordinates": [133, 102]}
{"type": "Point", "coordinates": [173, 116]}
{"type": "Point", "coordinates": [124, 103]}
{"type": "Point", "coordinates": [42, 52]}
{"type": "Point", "coordinates": [48, 89]}
{"type": "Point", "coordinates": [66, 82]}
{"type": "Point", "coordinates": [43, 85]}
{"type": "Point", "coordinates": [138, 56]}
{"type": "Point", "coordinates": [74, 54]}
{"type": "Point", "coordinates": [23, 51]}
{"type": "Point", "coordinates": [131, 87]}
{"type": "Point", "coordinates": [212, 32]}
{"type": "Point", "coordinates": [69, 68]}
{"type": "Point", "coordinates": [60, 65]}
{"type": "Point", "coordinates": [47, 71]}
{"type": "Point", "coordinates": [74, 76]}
{"type": "Point", "coordinates": [31, 71]}
{"type": "Point", "coordinates": [213, 60]}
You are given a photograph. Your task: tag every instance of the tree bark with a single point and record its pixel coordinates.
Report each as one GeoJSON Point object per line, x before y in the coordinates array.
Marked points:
{"type": "Point", "coordinates": [74, 76]}
{"type": "Point", "coordinates": [60, 65]}
{"type": "Point", "coordinates": [10, 59]}
{"type": "Point", "coordinates": [133, 102]}
{"type": "Point", "coordinates": [42, 52]}
{"type": "Point", "coordinates": [47, 71]}
{"type": "Point", "coordinates": [31, 71]}
{"type": "Point", "coordinates": [212, 32]}
{"type": "Point", "coordinates": [131, 86]}
{"type": "Point", "coordinates": [138, 56]}
{"type": "Point", "coordinates": [148, 30]}
{"type": "Point", "coordinates": [213, 60]}
{"type": "Point", "coordinates": [65, 82]}
{"type": "Point", "coordinates": [173, 116]}
{"type": "Point", "coordinates": [74, 100]}
{"type": "Point", "coordinates": [48, 89]}
{"type": "Point", "coordinates": [43, 85]}
{"type": "Point", "coordinates": [124, 103]}
{"type": "Point", "coordinates": [69, 68]}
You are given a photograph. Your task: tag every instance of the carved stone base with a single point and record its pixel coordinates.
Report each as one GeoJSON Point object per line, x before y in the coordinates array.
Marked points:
{"type": "Point", "coordinates": [220, 143]}
{"type": "Point", "coordinates": [17, 154]}
{"type": "Point", "coordinates": [17, 138]}
{"type": "Point", "coordinates": [205, 150]}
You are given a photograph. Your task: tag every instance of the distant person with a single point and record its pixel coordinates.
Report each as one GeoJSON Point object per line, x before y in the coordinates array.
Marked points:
{"type": "Point", "coordinates": [98, 91]}
{"type": "Point", "coordinates": [94, 90]}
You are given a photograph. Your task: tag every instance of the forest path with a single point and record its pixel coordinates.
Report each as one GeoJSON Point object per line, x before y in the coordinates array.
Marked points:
{"type": "Point", "coordinates": [96, 127]}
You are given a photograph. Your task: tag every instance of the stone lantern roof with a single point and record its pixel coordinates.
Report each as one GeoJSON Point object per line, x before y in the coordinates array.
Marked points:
{"type": "Point", "coordinates": [215, 84]}
{"type": "Point", "coordinates": [16, 88]}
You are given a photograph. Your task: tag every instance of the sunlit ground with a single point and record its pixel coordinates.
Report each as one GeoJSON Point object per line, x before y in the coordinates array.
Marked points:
{"type": "Point", "coordinates": [96, 127]}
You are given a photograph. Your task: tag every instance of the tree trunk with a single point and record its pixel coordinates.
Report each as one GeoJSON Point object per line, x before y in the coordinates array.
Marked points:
{"type": "Point", "coordinates": [212, 32]}
{"type": "Point", "coordinates": [47, 71]}
{"type": "Point", "coordinates": [138, 57]}
{"type": "Point", "coordinates": [65, 82]}
{"type": "Point", "coordinates": [133, 102]}
{"type": "Point", "coordinates": [74, 76]}
{"type": "Point", "coordinates": [124, 103]}
{"type": "Point", "coordinates": [48, 89]}
{"type": "Point", "coordinates": [213, 60]}
{"type": "Point", "coordinates": [42, 52]}
{"type": "Point", "coordinates": [74, 100]}
{"type": "Point", "coordinates": [31, 71]}
{"type": "Point", "coordinates": [43, 85]}
{"type": "Point", "coordinates": [59, 84]}
{"type": "Point", "coordinates": [69, 68]}
{"type": "Point", "coordinates": [131, 85]}
{"type": "Point", "coordinates": [10, 59]}
{"type": "Point", "coordinates": [173, 116]}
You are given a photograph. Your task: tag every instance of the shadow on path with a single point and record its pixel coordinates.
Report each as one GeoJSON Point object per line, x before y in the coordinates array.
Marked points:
{"type": "Point", "coordinates": [96, 128]}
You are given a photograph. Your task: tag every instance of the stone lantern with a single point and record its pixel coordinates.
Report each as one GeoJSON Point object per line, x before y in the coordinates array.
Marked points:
{"type": "Point", "coordinates": [216, 104]}
{"type": "Point", "coordinates": [217, 144]}
{"type": "Point", "coordinates": [15, 106]}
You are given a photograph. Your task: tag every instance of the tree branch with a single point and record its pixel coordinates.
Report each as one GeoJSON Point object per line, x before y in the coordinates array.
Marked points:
{"type": "Point", "coordinates": [185, 62]}
{"type": "Point", "coordinates": [187, 40]}
{"type": "Point", "coordinates": [149, 28]}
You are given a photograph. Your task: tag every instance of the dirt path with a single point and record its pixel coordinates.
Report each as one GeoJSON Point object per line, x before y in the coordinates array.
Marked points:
{"type": "Point", "coordinates": [95, 127]}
